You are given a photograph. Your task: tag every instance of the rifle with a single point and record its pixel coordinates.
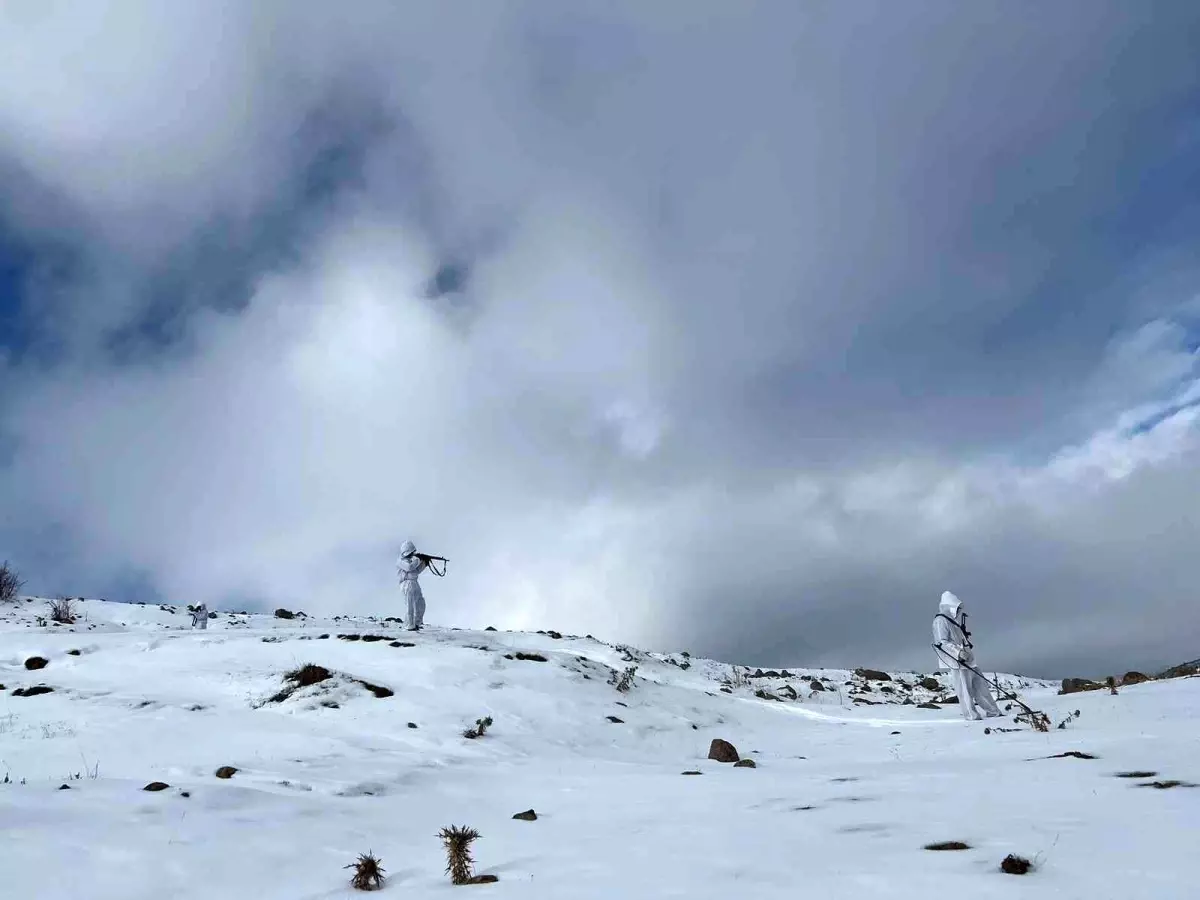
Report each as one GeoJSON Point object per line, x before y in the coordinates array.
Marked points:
{"type": "Point", "coordinates": [430, 560]}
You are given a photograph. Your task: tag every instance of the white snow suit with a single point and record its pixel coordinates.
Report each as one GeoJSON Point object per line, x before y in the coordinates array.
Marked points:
{"type": "Point", "coordinates": [955, 655]}
{"type": "Point", "coordinates": [200, 617]}
{"type": "Point", "coordinates": [408, 567]}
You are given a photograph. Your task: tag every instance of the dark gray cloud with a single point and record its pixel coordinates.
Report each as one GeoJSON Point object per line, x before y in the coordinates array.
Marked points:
{"type": "Point", "coordinates": [750, 327]}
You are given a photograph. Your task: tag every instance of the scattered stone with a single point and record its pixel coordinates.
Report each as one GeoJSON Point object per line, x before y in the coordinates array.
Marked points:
{"type": "Point", "coordinates": [554, 635]}
{"type": "Point", "coordinates": [185, 794]}
{"type": "Point", "coordinates": [788, 691]}
{"type": "Point", "coordinates": [36, 662]}
{"type": "Point", "coordinates": [928, 706]}
{"type": "Point", "coordinates": [156, 786]}
{"type": "Point", "coordinates": [930, 684]}
{"type": "Point", "coordinates": [226, 772]}
{"type": "Point", "coordinates": [723, 751]}
{"type": "Point", "coordinates": [948, 845]}
{"type": "Point", "coordinates": [489, 628]}
{"type": "Point", "coordinates": [401, 644]}
{"type": "Point", "coordinates": [74, 653]}
{"type": "Point", "coordinates": [64, 787]}
{"type": "Point", "coordinates": [949, 701]}
{"type": "Point", "coordinates": [766, 695]}
{"type": "Point", "coordinates": [745, 764]}
{"type": "Point", "coordinates": [1072, 754]}
{"type": "Point", "coordinates": [34, 691]}
{"type": "Point", "coordinates": [692, 772]}
{"type": "Point", "coordinates": [1135, 774]}
{"type": "Point", "coordinates": [1134, 678]}
{"type": "Point", "coordinates": [1166, 785]}
{"type": "Point", "coordinates": [372, 638]}
{"type": "Point", "coordinates": [530, 657]}
{"type": "Point", "coordinates": [378, 690]}
{"type": "Point", "coordinates": [872, 675]}
{"type": "Point", "coordinates": [817, 686]}
{"type": "Point", "coordinates": [1015, 865]}
{"type": "Point", "coordinates": [322, 637]}
{"type": "Point", "coordinates": [726, 690]}
{"type": "Point", "coordinates": [1076, 685]}
{"type": "Point", "coordinates": [284, 614]}
{"type": "Point", "coordinates": [484, 879]}
{"type": "Point", "coordinates": [528, 816]}
{"type": "Point", "coordinates": [349, 637]}
{"type": "Point", "coordinates": [615, 720]}
{"type": "Point", "coordinates": [412, 725]}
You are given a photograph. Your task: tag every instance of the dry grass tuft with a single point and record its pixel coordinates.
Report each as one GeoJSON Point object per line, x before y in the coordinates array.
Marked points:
{"type": "Point", "coordinates": [368, 873]}
{"type": "Point", "coordinates": [62, 611]}
{"type": "Point", "coordinates": [308, 675]}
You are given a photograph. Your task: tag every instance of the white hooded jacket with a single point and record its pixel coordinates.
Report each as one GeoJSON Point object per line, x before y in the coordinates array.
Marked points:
{"type": "Point", "coordinates": [949, 632]}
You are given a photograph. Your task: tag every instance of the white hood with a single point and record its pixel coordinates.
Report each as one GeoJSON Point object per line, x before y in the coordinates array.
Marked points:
{"type": "Point", "coordinates": [408, 548]}
{"type": "Point", "coordinates": [950, 605]}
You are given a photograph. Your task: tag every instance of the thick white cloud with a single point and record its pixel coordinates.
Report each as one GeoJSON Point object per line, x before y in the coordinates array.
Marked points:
{"type": "Point", "coordinates": [754, 354]}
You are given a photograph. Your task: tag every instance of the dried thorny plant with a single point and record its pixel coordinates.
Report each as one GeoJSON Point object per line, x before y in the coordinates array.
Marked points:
{"type": "Point", "coordinates": [457, 840]}
{"type": "Point", "coordinates": [10, 584]}
{"type": "Point", "coordinates": [62, 611]}
{"type": "Point", "coordinates": [1062, 726]}
{"type": "Point", "coordinates": [623, 681]}
{"type": "Point", "coordinates": [368, 873]}
{"type": "Point", "coordinates": [481, 727]}
{"type": "Point", "coordinates": [1112, 685]}
{"type": "Point", "coordinates": [1038, 721]}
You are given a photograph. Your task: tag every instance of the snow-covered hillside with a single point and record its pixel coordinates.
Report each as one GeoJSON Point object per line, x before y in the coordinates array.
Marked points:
{"type": "Point", "coordinates": [852, 779]}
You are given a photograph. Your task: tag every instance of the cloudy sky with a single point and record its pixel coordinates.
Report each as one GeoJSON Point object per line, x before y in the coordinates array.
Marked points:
{"type": "Point", "coordinates": [746, 328]}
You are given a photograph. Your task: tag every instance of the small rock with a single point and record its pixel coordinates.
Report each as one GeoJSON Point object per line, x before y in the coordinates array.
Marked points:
{"type": "Point", "coordinates": [788, 691]}
{"type": "Point", "coordinates": [1076, 685]}
{"type": "Point", "coordinates": [489, 628]}
{"type": "Point", "coordinates": [226, 772]}
{"type": "Point", "coordinates": [1015, 865]}
{"type": "Point", "coordinates": [484, 879]}
{"type": "Point", "coordinates": [615, 720]}
{"type": "Point", "coordinates": [723, 751]}
{"type": "Point", "coordinates": [1134, 678]}
{"type": "Point", "coordinates": [816, 685]}
{"type": "Point", "coordinates": [872, 675]}
{"type": "Point", "coordinates": [928, 706]}
{"type": "Point", "coordinates": [528, 816]}
{"type": "Point", "coordinates": [64, 787]}
{"type": "Point", "coordinates": [185, 793]}
{"type": "Point", "coordinates": [74, 653]}
{"type": "Point", "coordinates": [36, 662]}
{"type": "Point", "coordinates": [726, 690]}
{"type": "Point", "coordinates": [156, 786]}
{"type": "Point", "coordinates": [554, 635]}
{"type": "Point", "coordinates": [930, 684]}
{"type": "Point", "coordinates": [745, 764]}
{"type": "Point", "coordinates": [34, 691]}
{"type": "Point", "coordinates": [412, 724]}
{"type": "Point", "coordinates": [691, 772]}
{"type": "Point", "coordinates": [284, 614]}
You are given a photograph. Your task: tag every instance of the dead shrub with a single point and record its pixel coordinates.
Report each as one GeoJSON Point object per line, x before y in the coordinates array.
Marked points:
{"type": "Point", "coordinates": [623, 681]}
{"type": "Point", "coordinates": [368, 872]}
{"type": "Point", "coordinates": [481, 727]}
{"type": "Point", "coordinates": [62, 611]}
{"type": "Point", "coordinates": [10, 584]}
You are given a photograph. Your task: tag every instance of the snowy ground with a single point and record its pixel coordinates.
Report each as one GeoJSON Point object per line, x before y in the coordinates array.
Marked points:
{"type": "Point", "coordinates": [844, 797]}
